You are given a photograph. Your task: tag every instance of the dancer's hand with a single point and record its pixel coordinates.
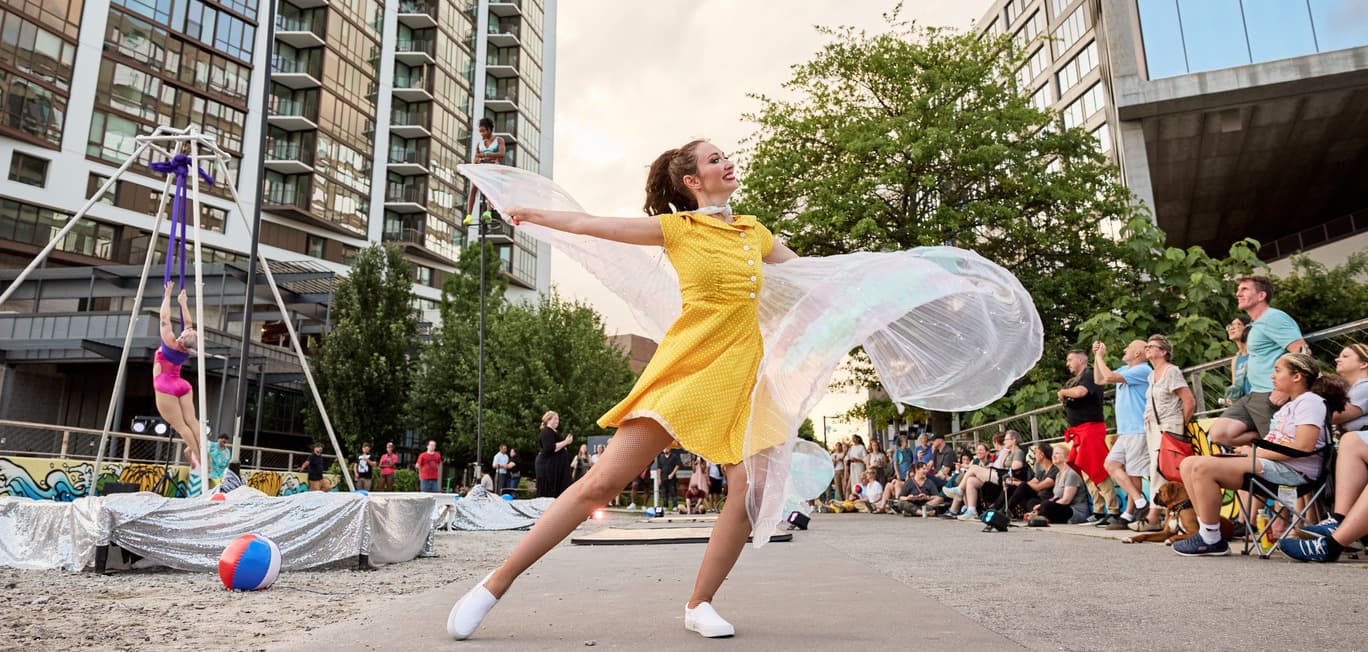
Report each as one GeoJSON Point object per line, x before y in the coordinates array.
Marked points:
{"type": "Point", "coordinates": [519, 213]}
{"type": "Point", "coordinates": [170, 285]}
{"type": "Point", "coordinates": [182, 297]}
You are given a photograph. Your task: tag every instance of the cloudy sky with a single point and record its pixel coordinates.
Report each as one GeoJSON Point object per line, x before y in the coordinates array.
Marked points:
{"type": "Point", "coordinates": [635, 78]}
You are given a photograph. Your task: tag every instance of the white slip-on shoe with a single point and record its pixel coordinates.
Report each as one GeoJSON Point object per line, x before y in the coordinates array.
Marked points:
{"type": "Point", "coordinates": [704, 620]}
{"type": "Point", "coordinates": [470, 610]}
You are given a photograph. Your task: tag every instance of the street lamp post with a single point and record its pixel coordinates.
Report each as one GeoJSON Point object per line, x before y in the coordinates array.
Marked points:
{"type": "Point", "coordinates": [483, 226]}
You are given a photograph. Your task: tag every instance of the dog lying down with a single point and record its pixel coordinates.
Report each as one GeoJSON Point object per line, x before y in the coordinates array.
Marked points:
{"type": "Point", "coordinates": [1180, 521]}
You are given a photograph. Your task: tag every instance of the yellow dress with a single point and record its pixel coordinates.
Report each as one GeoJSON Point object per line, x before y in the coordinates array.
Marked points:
{"type": "Point", "coordinates": [699, 383]}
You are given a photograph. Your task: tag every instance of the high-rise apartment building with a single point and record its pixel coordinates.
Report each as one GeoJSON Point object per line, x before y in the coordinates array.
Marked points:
{"type": "Point", "coordinates": [371, 105]}
{"type": "Point", "coordinates": [1228, 119]}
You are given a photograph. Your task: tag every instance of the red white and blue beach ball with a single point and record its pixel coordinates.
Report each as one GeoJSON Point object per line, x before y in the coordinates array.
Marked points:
{"type": "Point", "coordinates": [251, 562]}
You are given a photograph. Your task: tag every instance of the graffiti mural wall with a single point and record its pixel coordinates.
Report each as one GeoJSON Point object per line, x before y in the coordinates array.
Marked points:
{"type": "Point", "coordinates": [44, 478]}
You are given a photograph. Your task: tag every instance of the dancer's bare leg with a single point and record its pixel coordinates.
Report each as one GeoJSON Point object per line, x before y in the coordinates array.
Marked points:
{"type": "Point", "coordinates": [169, 407]}
{"type": "Point", "coordinates": [191, 425]}
{"type": "Point", "coordinates": [634, 446]}
{"type": "Point", "coordinates": [728, 538]}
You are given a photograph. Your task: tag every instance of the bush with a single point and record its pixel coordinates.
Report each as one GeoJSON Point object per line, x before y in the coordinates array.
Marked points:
{"type": "Point", "coordinates": [405, 480]}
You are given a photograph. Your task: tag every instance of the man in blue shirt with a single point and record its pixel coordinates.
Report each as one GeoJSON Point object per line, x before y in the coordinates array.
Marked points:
{"type": "Point", "coordinates": [1128, 462]}
{"type": "Point", "coordinates": [1271, 334]}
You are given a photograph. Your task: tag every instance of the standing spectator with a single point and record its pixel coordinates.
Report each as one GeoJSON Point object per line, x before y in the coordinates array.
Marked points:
{"type": "Point", "coordinates": [501, 467]}
{"type": "Point", "coordinates": [429, 467]}
{"type": "Point", "coordinates": [315, 466]}
{"type": "Point", "coordinates": [855, 462]}
{"type": "Point", "coordinates": [389, 461]}
{"type": "Point", "coordinates": [598, 451]}
{"type": "Point", "coordinates": [669, 463]}
{"type": "Point", "coordinates": [514, 473]}
{"type": "Point", "coordinates": [1082, 400]}
{"type": "Point", "coordinates": [942, 458]}
{"type": "Point", "coordinates": [877, 461]}
{"type": "Point", "coordinates": [1128, 462]}
{"type": "Point", "coordinates": [553, 464]}
{"type": "Point", "coordinates": [1237, 331]}
{"type": "Point", "coordinates": [697, 493]}
{"type": "Point", "coordinates": [1169, 405]}
{"type": "Point", "coordinates": [838, 467]}
{"type": "Point", "coordinates": [219, 457]}
{"type": "Point", "coordinates": [361, 468]}
{"type": "Point", "coordinates": [1271, 334]}
{"type": "Point", "coordinates": [715, 485]}
{"type": "Point", "coordinates": [579, 466]}
{"type": "Point", "coordinates": [902, 459]}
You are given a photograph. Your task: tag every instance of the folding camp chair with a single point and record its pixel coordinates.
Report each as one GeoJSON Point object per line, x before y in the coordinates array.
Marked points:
{"type": "Point", "coordinates": [1264, 495]}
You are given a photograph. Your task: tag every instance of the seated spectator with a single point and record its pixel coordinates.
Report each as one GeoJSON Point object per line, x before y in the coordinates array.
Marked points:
{"type": "Point", "coordinates": [1352, 366]}
{"type": "Point", "coordinates": [867, 496]}
{"type": "Point", "coordinates": [232, 478]}
{"type": "Point", "coordinates": [922, 491]}
{"type": "Point", "coordinates": [982, 458]}
{"type": "Point", "coordinates": [1039, 487]}
{"type": "Point", "coordinates": [942, 458]}
{"type": "Point", "coordinates": [1068, 502]}
{"type": "Point", "coordinates": [1299, 424]}
{"type": "Point", "coordinates": [983, 486]}
{"type": "Point", "coordinates": [921, 453]}
{"type": "Point", "coordinates": [1347, 526]}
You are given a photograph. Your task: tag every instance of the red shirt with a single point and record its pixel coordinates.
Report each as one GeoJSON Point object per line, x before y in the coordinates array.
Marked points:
{"type": "Point", "coordinates": [387, 462]}
{"type": "Point", "coordinates": [429, 464]}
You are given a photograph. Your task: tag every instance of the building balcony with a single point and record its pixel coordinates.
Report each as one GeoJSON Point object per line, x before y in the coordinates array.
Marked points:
{"type": "Point", "coordinates": [502, 100]}
{"type": "Point", "coordinates": [287, 157]}
{"type": "Point", "coordinates": [417, 88]}
{"type": "Point", "coordinates": [408, 162]}
{"type": "Point", "coordinates": [503, 36]}
{"type": "Point", "coordinates": [505, 7]}
{"type": "Point", "coordinates": [406, 197]}
{"type": "Point", "coordinates": [502, 66]}
{"type": "Point", "coordinates": [304, 31]}
{"type": "Point", "coordinates": [406, 235]}
{"type": "Point", "coordinates": [306, 4]}
{"type": "Point", "coordinates": [497, 231]}
{"type": "Point", "coordinates": [411, 124]}
{"type": "Point", "coordinates": [418, 14]}
{"type": "Point", "coordinates": [292, 196]}
{"type": "Point", "coordinates": [414, 52]}
{"type": "Point", "coordinates": [297, 73]}
{"type": "Point", "coordinates": [509, 137]}
{"type": "Point", "coordinates": [292, 115]}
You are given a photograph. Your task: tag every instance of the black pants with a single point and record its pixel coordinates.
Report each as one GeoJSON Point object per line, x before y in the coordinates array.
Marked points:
{"type": "Point", "coordinates": [669, 492]}
{"type": "Point", "coordinates": [1052, 511]}
{"type": "Point", "coordinates": [1019, 497]}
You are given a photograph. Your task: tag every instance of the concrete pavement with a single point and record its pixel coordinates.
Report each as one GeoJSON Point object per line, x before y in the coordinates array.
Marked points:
{"type": "Point", "coordinates": [857, 581]}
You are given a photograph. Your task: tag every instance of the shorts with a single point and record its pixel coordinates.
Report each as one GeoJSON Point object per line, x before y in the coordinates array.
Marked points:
{"type": "Point", "coordinates": [1254, 410]}
{"type": "Point", "coordinates": [171, 384]}
{"type": "Point", "coordinates": [1130, 451]}
{"type": "Point", "coordinates": [715, 486]}
{"type": "Point", "coordinates": [1279, 473]}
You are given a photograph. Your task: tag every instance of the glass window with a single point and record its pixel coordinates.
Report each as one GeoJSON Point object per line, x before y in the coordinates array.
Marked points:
{"type": "Point", "coordinates": [1078, 67]}
{"type": "Point", "coordinates": [30, 109]}
{"type": "Point", "coordinates": [28, 169]}
{"type": "Point", "coordinates": [1213, 34]}
{"type": "Point", "coordinates": [1071, 29]}
{"type": "Point", "coordinates": [1040, 99]}
{"type": "Point", "coordinates": [1339, 24]}
{"type": "Point", "coordinates": [1103, 136]}
{"type": "Point", "coordinates": [1081, 109]}
{"type": "Point", "coordinates": [1035, 64]}
{"type": "Point", "coordinates": [1060, 6]}
{"type": "Point", "coordinates": [1162, 38]}
{"type": "Point", "coordinates": [1278, 29]}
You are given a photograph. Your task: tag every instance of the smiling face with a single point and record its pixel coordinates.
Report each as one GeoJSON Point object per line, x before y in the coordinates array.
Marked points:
{"type": "Point", "coordinates": [715, 180]}
{"type": "Point", "coordinates": [485, 132]}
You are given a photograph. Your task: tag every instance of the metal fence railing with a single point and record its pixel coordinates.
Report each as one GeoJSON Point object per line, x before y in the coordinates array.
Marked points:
{"type": "Point", "coordinates": [1207, 380]}
{"type": "Point", "coordinates": [26, 439]}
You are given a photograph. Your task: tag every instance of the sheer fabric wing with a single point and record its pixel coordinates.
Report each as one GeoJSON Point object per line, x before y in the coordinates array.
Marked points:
{"type": "Point", "coordinates": [945, 328]}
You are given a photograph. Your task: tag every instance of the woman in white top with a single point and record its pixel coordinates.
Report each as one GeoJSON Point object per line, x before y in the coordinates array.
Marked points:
{"type": "Point", "coordinates": [838, 469]}
{"type": "Point", "coordinates": [1352, 366]}
{"type": "Point", "coordinates": [855, 463]}
{"type": "Point", "coordinates": [1299, 424]}
{"type": "Point", "coordinates": [878, 461]}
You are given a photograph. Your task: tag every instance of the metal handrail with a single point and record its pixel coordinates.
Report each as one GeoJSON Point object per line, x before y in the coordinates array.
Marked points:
{"type": "Point", "coordinates": [1323, 334]}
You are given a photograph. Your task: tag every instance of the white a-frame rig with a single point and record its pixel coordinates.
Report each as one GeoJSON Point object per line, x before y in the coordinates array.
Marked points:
{"type": "Point", "coordinates": [204, 152]}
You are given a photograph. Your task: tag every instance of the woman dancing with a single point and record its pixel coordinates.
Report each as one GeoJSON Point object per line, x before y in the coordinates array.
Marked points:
{"type": "Point", "coordinates": [737, 367]}
{"type": "Point", "coordinates": [175, 402]}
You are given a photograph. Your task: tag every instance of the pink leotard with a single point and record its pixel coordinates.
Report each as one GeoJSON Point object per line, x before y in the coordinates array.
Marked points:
{"type": "Point", "coordinates": [169, 381]}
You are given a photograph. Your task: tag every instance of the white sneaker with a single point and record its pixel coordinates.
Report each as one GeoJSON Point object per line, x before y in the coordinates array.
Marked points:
{"type": "Point", "coordinates": [704, 620]}
{"type": "Point", "coordinates": [631, 507]}
{"type": "Point", "coordinates": [969, 515]}
{"type": "Point", "coordinates": [468, 612]}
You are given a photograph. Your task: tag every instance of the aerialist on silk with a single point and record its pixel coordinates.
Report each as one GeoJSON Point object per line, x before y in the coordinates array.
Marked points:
{"type": "Point", "coordinates": [175, 400]}
{"type": "Point", "coordinates": [739, 367]}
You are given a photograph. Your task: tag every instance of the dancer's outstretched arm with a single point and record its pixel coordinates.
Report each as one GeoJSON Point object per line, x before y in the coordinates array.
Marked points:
{"type": "Point", "coordinates": [629, 230]}
{"type": "Point", "coordinates": [780, 254]}
{"type": "Point", "coordinates": [185, 311]}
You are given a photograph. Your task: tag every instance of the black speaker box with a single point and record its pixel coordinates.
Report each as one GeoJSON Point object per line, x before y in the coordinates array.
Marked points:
{"type": "Point", "coordinates": [798, 520]}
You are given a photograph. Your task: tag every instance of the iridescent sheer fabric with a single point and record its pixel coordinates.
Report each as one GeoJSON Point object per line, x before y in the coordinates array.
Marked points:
{"type": "Point", "coordinates": [945, 328]}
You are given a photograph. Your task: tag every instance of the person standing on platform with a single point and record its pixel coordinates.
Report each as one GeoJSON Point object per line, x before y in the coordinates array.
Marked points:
{"type": "Point", "coordinates": [315, 466]}
{"type": "Point", "coordinates": [389, 461]}
{"type": "Point", "coordinates": [220, 454]}
{"type": "Point", "coordinates": [362, 469]}
{"type": "Point", "coordinates": [553, 462]}
{"type": "Point", "coordinates": [669, 462]}
{"type": "Point", "coordinates": [1128, 463]}
{"type": "Point", "coordinates": [1082, 399]}
{"type": "Point", "coordinates": [501, 466]}
{"type": "Point", "coordinates": [429, 467]}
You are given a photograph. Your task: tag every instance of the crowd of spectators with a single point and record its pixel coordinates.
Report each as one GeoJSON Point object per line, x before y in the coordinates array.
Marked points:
{"type": "Point", "coordinates": [1282, 413]}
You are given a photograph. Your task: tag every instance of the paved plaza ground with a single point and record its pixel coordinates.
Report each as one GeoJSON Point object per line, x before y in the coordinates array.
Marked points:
{"type": "Point", "coordinates": [853, 581]}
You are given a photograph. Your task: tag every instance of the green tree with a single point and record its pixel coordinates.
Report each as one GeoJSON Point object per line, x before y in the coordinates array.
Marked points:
{"type": "Point", "coordinates": [920, 137]}
{"type": "Point", "coordinates": [552, 357]}
{"type": "Point", "coordinates": [1319, 297]}
{"type": "Point", "coordinates": [364, 369]}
